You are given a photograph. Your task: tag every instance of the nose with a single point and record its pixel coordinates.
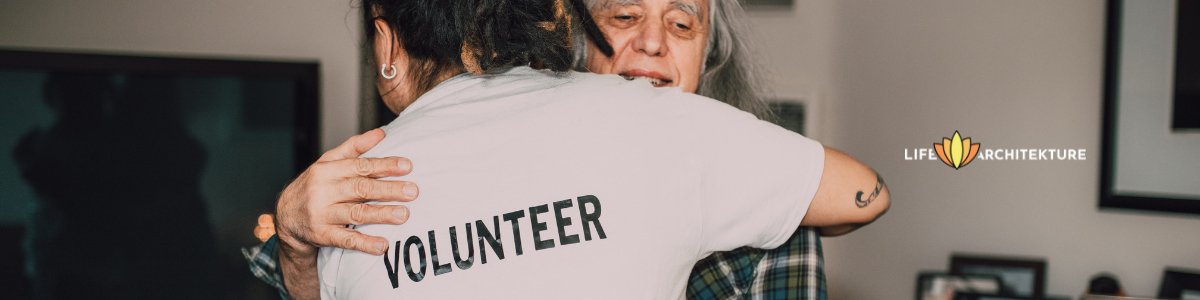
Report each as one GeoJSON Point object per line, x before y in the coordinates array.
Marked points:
{"type": "Point", "coordinates": [651, 39]}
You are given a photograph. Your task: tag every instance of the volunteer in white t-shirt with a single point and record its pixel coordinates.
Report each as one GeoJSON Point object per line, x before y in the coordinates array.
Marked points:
{"type": "Point", "coordinates": [567, 185]}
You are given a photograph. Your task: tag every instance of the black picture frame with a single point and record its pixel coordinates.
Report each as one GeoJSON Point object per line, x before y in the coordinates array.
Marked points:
{"type": "Point", "coordinates": [1006, 268]}
{"type": "Point", "coordinates": [994, 297]}
{"type": "Point", "coordinates": [925, 280]}
{"type": "Point", "coordinates": [1176, 280]}
{"type": "Point", "coordinates": [1109, 198]}
{"type": "Point", "coordinates": [790, 115]}
{"type": "Point", "coordinates": [767, 4]}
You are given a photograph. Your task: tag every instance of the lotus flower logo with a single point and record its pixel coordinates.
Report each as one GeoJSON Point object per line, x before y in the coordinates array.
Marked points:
{"type": "Point", "coordinates": [956, 151]}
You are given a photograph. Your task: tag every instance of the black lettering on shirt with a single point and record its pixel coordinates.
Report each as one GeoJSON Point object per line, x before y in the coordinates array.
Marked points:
{"type": "Point", "coordinates": [394, 268]}
{"type": "Point", "coordinates": [538, 227]}
{"type": "Point", "coordinates": [592, 218]}
{"type": "Point", "coordinates": [438, 268]}
{"type": "Point", "coordinates": [470, 261]}
{"type": "Point", "coordinates": [513, 217]}
{"type": "Point", "coordinates": [415, 276]}
{"type": "Point", "coordinates": [563, 237]}
{"type": "Point", "coordinates": [589, 217]}
{"type": "Point", "coordinates": [493, 240]}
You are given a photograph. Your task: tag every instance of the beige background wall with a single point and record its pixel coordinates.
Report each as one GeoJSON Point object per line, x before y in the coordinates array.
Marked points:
{"type": "Point", "coordinates": [307, 30]}
{"type": "Point", "coordinates": [897, 74]}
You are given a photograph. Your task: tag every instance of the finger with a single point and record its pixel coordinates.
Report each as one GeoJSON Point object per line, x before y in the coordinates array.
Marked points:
{"type": "Point", "coordinates": [364, 167]}
{"type": "Point", "coordinates": [359, 189]}
{"type": "Point", "coordinates": [355, 146]}
{"type": "Point", "coordinates": [362, 213]}
{"type": "Point", "coordinates": [346, 238]}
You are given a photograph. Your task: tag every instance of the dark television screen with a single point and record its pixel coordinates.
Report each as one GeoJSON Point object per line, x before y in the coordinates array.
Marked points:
{"type": "Point", "coordinates": [125, 177]}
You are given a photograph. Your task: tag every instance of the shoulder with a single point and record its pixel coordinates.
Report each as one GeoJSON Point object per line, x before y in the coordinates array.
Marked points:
{"type": "Point", "coordinates": [639, 93]}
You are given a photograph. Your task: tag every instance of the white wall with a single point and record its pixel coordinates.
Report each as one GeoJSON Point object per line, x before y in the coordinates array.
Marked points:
{"type": "Point", "coordinates": [792, 48]}
{"type": "Point", "coordinates": [308, 30]}
{"type": "Point", "coordinates": [1007, 73]}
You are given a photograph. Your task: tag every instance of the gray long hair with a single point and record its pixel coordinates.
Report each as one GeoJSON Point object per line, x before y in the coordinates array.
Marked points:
{"type": "Point", "coordinates": [728, 75]}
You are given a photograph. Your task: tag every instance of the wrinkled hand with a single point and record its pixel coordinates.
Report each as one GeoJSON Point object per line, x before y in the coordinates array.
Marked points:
{"type": "Point", "coordinates": [315, 209]}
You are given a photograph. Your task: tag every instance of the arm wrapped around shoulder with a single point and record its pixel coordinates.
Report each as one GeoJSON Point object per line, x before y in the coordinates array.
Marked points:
{"type": "Point", "coordinates": [851, 195]}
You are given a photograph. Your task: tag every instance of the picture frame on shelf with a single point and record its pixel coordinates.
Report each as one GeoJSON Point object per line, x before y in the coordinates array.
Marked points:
{"type": "Point", "coordinates": [934, 285]}
{"type": "Point", "coordinates": [1178, 283]}
{"type": "Point", "coordinates": [1021, 277]}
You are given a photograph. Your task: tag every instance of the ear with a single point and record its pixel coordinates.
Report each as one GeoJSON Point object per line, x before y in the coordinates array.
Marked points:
{"type": "Point", "coordinates": [386, 45]}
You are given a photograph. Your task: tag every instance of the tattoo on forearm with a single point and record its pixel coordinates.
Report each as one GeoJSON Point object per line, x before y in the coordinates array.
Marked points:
{"type": "Point", "coordinates": [858, 199]}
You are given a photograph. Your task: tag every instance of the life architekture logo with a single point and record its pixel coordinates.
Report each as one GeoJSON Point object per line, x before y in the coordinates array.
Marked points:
{"type": "Point", "coordinates": [957, 152]}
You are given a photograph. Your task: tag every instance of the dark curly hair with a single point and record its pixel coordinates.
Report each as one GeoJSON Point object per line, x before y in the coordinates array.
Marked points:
{"type": "Point", "coordinates": [479, 36]}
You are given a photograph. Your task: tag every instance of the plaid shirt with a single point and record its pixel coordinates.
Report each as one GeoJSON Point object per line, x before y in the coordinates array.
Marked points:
{"type": "Point", "coordinates": [264, 263]}
{"type": "Point", "coordinates": [795, 270]}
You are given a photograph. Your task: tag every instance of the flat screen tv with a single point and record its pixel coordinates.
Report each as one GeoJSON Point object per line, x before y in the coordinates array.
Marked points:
{"type": "Point", "coordinates": [141, 177]}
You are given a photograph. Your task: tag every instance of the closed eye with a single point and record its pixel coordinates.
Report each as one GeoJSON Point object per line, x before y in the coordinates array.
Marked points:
{"type": "Point", "coordinates": [625, 18]}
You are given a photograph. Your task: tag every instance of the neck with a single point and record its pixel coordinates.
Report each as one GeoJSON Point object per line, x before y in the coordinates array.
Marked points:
{"type": "Point", "coordinates": [398, 101]}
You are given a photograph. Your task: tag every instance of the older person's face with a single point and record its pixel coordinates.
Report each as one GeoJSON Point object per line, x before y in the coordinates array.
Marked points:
{"type": "Point", "coordinates": [660, 40]}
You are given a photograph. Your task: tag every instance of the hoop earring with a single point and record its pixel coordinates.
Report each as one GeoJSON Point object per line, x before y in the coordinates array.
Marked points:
{"type": "Point", "coordinates": [383, 71]}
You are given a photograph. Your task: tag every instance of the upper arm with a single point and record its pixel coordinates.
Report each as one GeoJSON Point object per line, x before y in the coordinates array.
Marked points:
{"type": "Point", "coordinates": [753, 179]}
{"type": "Point", "coordinates": [850, 193]}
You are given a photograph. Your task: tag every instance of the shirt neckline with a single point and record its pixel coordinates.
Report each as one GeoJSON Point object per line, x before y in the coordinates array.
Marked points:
{"type": "Point", "coordinates": [447, 87]}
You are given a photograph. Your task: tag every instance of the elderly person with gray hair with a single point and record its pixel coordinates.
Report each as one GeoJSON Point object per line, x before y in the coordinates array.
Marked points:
{"type": "Point", "coordinates": [698, 46]}
{"type": "Point", "coordinates": [692, 45]}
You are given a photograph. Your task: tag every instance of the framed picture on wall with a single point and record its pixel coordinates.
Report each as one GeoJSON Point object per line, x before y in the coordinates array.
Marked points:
{"type": "Point", "coordinates": [1180, 284]}
{"type": "Point", "coordinates": [1150, 156]}
{"type": "Point", "coordinates": [766, 4]}
{"type": "Point", "coordinates": [789, 114]}
{"type": "Point", "coordinates": [1021, 277]}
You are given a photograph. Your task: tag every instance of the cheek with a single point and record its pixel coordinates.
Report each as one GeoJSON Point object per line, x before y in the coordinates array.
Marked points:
{"type": "Point", "coordinates": [690, 63]}
{"type": "Point", "coordinates": [619, 39]}
{"type": "Point", "coordinates": [689, 87]}
{"type": "Point", "coordinates": [597, 62]}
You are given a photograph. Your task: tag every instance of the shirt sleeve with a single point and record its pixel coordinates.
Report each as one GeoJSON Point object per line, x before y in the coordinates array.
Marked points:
{"type": "Point", "coordinates": [264, 264]}
{"type": "Point", "coordinates": [757, 179]}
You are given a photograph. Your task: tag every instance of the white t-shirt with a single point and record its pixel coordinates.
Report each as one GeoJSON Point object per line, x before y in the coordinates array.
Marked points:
{"type": "Point", "coordinates": [575, 186]}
